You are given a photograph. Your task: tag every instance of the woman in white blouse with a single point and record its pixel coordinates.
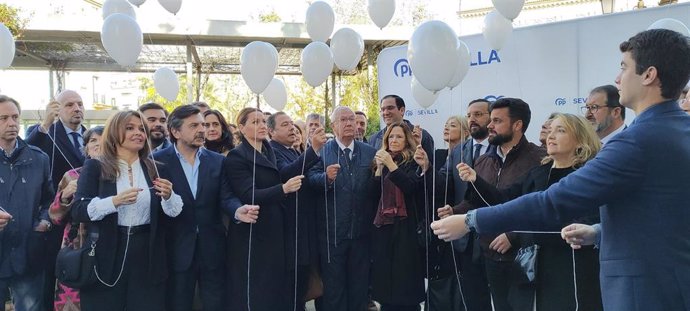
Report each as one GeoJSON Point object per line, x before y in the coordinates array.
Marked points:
{"type": "Point", "coordinates": [123, 199]}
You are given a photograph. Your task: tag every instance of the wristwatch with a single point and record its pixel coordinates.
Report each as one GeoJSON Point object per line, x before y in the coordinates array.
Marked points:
{"type": "Point", "coordinates": [471, 221]}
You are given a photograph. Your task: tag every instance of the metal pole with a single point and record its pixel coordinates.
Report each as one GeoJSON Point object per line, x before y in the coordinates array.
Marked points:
{"type": "Point", "coordinates": [190, 75]}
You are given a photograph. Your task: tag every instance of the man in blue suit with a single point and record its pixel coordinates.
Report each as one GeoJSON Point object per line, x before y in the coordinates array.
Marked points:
{"type": "Point", "coordinates": [644, 235]}
{"type": "Point", "coordinates": [291, 163]}
{"type": "Point", "coordinates": [346, 203]}
{"type": "Point", "coordinates": [196, 237]}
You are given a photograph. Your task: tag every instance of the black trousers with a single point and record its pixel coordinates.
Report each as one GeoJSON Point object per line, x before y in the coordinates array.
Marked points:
{"type": "Point", "coordinates": [500, 277]}
{"type": "Point", "coordinates": [212, 290]}
{"type": "Point", "coordinates": [475, 287]}
{"type": "Point", "coordinates": [134, 291]}
{"type": "Point", "coordinates": [345, 278]}
{"type": "Point", "coordinates": [53, 244]}
{"type": "Point", "coordinates": [302, 285]}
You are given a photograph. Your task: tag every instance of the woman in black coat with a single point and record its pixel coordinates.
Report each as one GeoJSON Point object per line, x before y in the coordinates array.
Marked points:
{"type": "Point", "coordinates": [120, 197]}
{"type": "Point", "coordinates": [397, 259]}
{"type": "Point", "coordinates": [255, 179]}
{"type": "Point", "coordinates": [570, 143]}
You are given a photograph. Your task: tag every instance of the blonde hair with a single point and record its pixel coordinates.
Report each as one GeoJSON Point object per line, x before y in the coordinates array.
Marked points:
{"type": "Point", "coordinates": [113, 137]}
{"type": "Point", "coordinates": [588, 144]}
{"type": "Point", "coordinates": [410, 145]}
{"type": "Point", "coordinates": [464, 128]}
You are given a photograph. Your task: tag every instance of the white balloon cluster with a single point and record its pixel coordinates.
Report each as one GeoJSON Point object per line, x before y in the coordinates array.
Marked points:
{"type": "Point", "coordinates": [498, 24]}
{"type": "Point", "coordinates": [438, 59]}
{"type": "Point", "coordinates": [6, 47]}
{"type": "Point", "coordinates": [258, 65]}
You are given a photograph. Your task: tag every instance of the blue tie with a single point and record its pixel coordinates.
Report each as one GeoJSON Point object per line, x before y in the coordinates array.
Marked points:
{"type": "Point", "coordinates": [477, 150]}
{"type": "Point", "coordinates": [347, 157]}
{"type": "Point", "coordinates": [75, 145]}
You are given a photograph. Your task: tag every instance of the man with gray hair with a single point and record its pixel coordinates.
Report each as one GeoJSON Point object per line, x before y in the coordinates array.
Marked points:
{"type": "Point", "coordinates": [344, 214]}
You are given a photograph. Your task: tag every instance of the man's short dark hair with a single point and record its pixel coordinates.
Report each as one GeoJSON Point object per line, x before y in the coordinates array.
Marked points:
{"type": "Point", "coordinates": [612, 97]}
{"type": "Point", "coordinates": [152, 105]}
{"type": "Point", "coordinates": [201, 105]}
{"type": "Point", "coordinates": [479, 100]}
{"type": "Point", "coordinates": [361, 113]}
{"type": "Point", "coordinates": [177, 116]}
{"type": "Point", "coordinates": [271, 120]}
{"type": "Point", "coordinates": [4, 98]}
{"type": "Point", "coordinates": [517, 110]}
{"type": "Point", "coordinates": [667, 51]}
{"type": "Point", "coordinates": [399, 102]}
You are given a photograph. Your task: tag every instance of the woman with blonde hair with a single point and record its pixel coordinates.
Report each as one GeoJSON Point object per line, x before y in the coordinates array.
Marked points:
{"type": "Point", "coordinates": [397, 267]}
{"type": "Point", "coordinates": [124, 201]}
{"type": "Point", "coordinates": [455, 132]}
{"type": "Point", "coordinates": [570, 144]}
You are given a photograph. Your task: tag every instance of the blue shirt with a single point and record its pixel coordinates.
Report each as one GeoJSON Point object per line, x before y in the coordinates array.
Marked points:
{"type": "Point", "coordinates": [191, 171]}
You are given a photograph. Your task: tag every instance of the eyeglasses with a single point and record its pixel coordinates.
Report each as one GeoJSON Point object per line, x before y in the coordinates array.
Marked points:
{"type": "Point", "coordinates": [476, 114]}
{"type": "Point", "coordinates": [592, 108]}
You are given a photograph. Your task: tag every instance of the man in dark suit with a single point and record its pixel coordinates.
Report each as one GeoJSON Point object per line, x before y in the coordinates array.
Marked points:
{"type": "Point", "coordinates": [361, 126]}
{"type": "Point", "coordinates": [62, 141]}
{"type": "Point", "coordinates": [196, 237]}
{"type": "Point", "coordinates": [393, 111]}
{"type": "Point", "coordinates": [346, 202]}
{"type": "Point", "coordinates": [639, 190]}
{"type": "Point", "coordinates": [156, 118]}
{"type": "Point", "coordinates": [290, 164]}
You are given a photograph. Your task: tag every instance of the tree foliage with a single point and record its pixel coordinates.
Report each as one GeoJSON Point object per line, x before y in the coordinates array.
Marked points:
{"type": "Point", "coordinates": [9, 16]}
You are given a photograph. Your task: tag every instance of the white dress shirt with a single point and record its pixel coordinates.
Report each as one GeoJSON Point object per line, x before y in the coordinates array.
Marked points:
{"type": "Point", "coordinates": [138, 213]}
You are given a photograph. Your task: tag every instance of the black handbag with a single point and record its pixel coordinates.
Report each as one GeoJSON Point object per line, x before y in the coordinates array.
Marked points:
{"type": "Point", "coordinates": [526, 261]}
{"type": "Point", "coordinates": [76, 268]}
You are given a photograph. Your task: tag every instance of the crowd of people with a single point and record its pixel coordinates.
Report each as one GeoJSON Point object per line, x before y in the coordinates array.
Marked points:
{"type": "Point", "coordinates": [270, 212]}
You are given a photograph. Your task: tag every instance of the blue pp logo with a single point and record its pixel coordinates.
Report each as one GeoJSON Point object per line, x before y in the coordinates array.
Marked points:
{"type": "Point", "coordinates": [492, 98]}
{"type": "Point", "coordinates": [402, 68]}
{"type": "Point", "coordinates": [560, 101]}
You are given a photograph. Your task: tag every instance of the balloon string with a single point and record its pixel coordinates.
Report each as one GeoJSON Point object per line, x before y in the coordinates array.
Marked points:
{"type": "Point", "coordinates": [251, 225]}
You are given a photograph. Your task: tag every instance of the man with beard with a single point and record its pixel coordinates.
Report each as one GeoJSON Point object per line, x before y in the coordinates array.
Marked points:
{"type": "Point", "coordinates": [196, 237]}
{"type": "Point", "coordinates": [502, 166]}
{"type": "Point", "coordinates": [156, 118]}
{"type": "Point", "coordinates": [604, 110]}
{"type": "Point", "coordinates": [62, 141]}
{"type": "Point", "coordinates": [291, 163]}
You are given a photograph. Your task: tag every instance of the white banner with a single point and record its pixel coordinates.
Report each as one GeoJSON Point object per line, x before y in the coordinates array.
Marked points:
{"type": "Point", "coordinates": [552, 67]}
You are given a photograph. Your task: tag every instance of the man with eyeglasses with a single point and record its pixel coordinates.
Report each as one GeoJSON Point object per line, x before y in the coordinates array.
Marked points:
{"type": "Point", "coordinates": [392, 111]}
{"type": "Point", "coordinates": [604, 110]}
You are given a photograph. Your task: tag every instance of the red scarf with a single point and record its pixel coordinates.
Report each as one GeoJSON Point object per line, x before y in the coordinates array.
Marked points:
{"type": "Point", "coordinates": [391, 204]}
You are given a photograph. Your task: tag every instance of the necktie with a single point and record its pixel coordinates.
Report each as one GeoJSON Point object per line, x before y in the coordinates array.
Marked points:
{"type": "Point", "coordinates": [75, 144]}
{"type": "Point", "coordinates": [347, 156]}
{"type": "Point", "coordinates": [477, 152]}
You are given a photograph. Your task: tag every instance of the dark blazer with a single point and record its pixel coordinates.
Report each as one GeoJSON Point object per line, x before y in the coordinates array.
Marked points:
{"type": "Point", "coordinates": [353, 189]}
{"type": "Point", "coordinates": [258, 182]}
{"type": "Point", "coordinates": [61, 164]}
{"type": "Point", "coordinates": [200, 220]}
{"type": "Point", "coordinates": [290, 164]}
{"type": "Point", "coordinates": [645, 237]}
{"type": "Point", "coordinates": [91, 185]}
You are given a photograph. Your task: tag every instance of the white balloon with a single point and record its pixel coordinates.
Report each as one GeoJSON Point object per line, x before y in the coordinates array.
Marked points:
{"type": "Point", "coordinates": [138, 3]}
{"type": "Point", "coordinates": [118, 6]}
{"type": "Point", "coordinates": [671, 24]}
{"type": "Point", "coordinates": [275, 94]}
{"type": "Point", "coordinates": [421, 95]}
{"type": "Point", "coordinates": [510, 9]}
{"type": "Point", "coordinates": [172, 6]}
{"type": "Point", "coordinates": [348, 47]}
{"type": "Point", "coordinates": [496, 30]}
{"type": "Point", "coordinates": [258, 64]}
{"type": "Point", "coordinates": [433, 47]}
{"type": "Point", "coordinates": [276, 56]}
{"type": "Point", "coordinates": [122, 39]}
{"type": "Point", "coordinates": [316, 63]}
{"type": "Point", "coordinates": [166, 83]}
{"type": "Point", "coordinates": [463, 65]}
{"type": "Point", "coordinates": [6, 47]}
{"type": "Point", "coordinates": [320, 21]}
{"type": "Point", "coordinates": [381, 11]}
